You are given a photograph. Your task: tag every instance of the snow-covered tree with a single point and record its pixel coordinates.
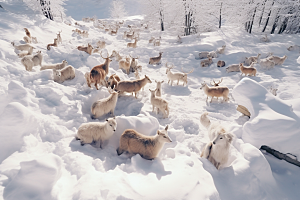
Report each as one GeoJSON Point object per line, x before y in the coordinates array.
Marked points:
{"type": "Point", "coordinates": [117, 9]}
{"type": "Point", "coordinates": [52, 9]}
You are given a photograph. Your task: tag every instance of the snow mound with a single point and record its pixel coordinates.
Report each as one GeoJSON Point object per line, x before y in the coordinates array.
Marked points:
{"type": "Point", "coordinates": [273, 122]}
{"type": "Point", "coordinates": [35, 179]}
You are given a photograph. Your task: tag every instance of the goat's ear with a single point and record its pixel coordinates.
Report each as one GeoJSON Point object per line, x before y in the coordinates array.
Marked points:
{"type": "Point", "coordinates": [106, 120]}
{"type": "Point", "coordinates": [229, 137]}
{"type": "Point", "coordinates": [155, 81]}
{"type": "Point", "coordinates": [167, 127]}
{"type": "Point", "coordinates": [162, 81]}
{"type": "Point", "coordinates": [158, 132]}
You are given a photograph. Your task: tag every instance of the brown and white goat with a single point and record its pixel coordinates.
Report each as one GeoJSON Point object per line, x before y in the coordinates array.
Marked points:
{"type": "Point", "coordinates": [99, 72]}
{"type": "Point", "coordinates": [88, 49]}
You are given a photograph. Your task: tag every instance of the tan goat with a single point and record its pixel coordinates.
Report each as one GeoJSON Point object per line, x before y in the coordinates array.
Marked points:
{"type": "Point", "coordinates": [159, 103]}
{"type": "Point", "coordinates": [219, 91]}
{"type": "Point", "coordinates": [147, 146]}
{"type": "Point", "coordinates": [155, 60]}
{"type": "Point", "coordinates": [88, 49]}
{"type": "Point", "coordinates": [133, 45]}
{"type": "Point", "coordinates": [132, 86]}
{"type": "Point", "coordinates": [251, 70]}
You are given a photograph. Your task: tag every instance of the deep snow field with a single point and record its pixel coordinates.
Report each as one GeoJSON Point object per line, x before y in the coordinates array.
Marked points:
{"type": "Point", "coordinates": [40, 158]}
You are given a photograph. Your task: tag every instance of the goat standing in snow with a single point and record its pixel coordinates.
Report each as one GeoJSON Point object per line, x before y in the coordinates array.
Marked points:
{"type": "Point", "coordinates": [30, 61]}
{"type": "Point", "coordinates": [219, 91]}
{"type": "Point", "coordinates": [104, 106]}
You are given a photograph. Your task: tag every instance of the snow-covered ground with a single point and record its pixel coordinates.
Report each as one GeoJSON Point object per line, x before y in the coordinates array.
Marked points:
{"type": "Point", "coordinates": [40, 159]}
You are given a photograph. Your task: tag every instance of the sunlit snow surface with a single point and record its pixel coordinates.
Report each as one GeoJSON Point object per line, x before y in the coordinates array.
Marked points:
{"type": "Point", "coordinates": [40, 159]}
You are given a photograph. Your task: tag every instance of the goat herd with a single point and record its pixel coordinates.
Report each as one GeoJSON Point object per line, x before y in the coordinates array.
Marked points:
{"type": "Point", "coordinates": [131, 141]}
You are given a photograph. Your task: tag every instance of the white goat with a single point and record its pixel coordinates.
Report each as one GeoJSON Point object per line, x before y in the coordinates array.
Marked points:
{"type": "Point", "coordinates": [117, 55]}
{"type": "Point", "coordinates": [278, 60]}
{"type": "Point", "coordinates": [221, 50]}
{"type": "Point", "coordinates": [158, 88]}
{"type": "Point", "coordinates": [219, 91]}
{"type": "Point", "coordinates": [23, 47]}
{"type": "Point", "coordinates": [176, 76]}
{"type": "Point", "coordinates": [265, 39]}
{"type": "Point", "coordinates": [206, 54]}
{"type": "Point", "coordinates": [249, 60]}
{"type": "Point", "coordinates": [133, 64]}
{"type": "Point", "coordinates": [216, 151]}
{"type": "Point", "coordinates": [104, 106]}
{"type": "Point", "coordinates": [206, 62]}
{"type": "Point", "coordinates": [101, 44]}
{"type": "Point", "coordinates": [159, 103]}
{"type": "Point", "coordinates": [25, 53]}
{"type": "Point", "coordinates": [125, 64]}
{"type": "Point", "coordinates": [147, 146]}
{"type": "Point", "coordinates": [266, 63]}
{"type": "Point", "coordinates": [30, 60]}
{"type": "Point", "coordinates": [96, 132]}
{"type": "Point", "coordinates": [56, 66]}
{"type": "Point", "coordinates": [233, 68]}
{"type": "Point", "coordinates": [294, 48]}
{"type": "Point", "coordinates": [64, 74]}
{"type": "Point", "coordinates": [59, 40]}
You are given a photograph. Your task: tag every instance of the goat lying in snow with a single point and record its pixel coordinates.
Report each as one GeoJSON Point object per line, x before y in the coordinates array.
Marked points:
{"type": "Point", "coordinates": [251, 70]}
{"type": "Point", "coordinates": [278, 60]}
{"type": "Point", "coordinates": [147, 146]}
{"type": "Point", "coordinates": [216, 151]}
{"type": "Point", "coordinates": [88, 49]}
{"type": "Point", "coordinates": [294, 48]}
{"type": "Point", "coordinates": [221, 50]}
{"type": "Point", "coordinates": [25, 53]}
{"type": "Point", "coordinates": [104, 106]}
{"type": "Point", "coordinates": [64, 74]}
{"type": "Point", "coordinates": [30, 61]}
{"type": "Point", "coordinates": [266, 63]}
{"type": "Point", "coordinates": [252, 59]}
{"type": "Point", "coordinates": [206, 54]}
{"type": "Point", "coordinates": [155, 60]}
{"type": "Point", "coordinates": [159, 103]}
{"type": "Point", "coordinates": [264, 39]}
{"type": "Point", "coordinates": [96, 132]}
{"type": "Point", "coordinates": [233, 68]}
{"type": "Point", "coordinates": [176, 76]}
{"type": "Point", "coordinates": [56, 66]}
{"type": "Point", "coordinates": [132, 86]}
{"type": "Point", "coordinates": [220, 63]}
{"type": "Point", "coordinates": [101, 44]}
{"type": "Point", "coordinates": [206, 62]}
{"type": "Point", "coordinates": [219, 91]}
{"type": "Point", "coordinates": [23, 47]}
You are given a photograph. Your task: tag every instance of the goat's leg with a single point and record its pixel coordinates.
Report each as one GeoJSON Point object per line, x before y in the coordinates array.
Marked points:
{"type": "Point", "coordinates": [211, 99]}
{"type": "Point", "coordinates": [96, 85]}
{"type": "Point", "coordinates": [177, 81]}
{"type": "Point", "coordinates": [169, 81]}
